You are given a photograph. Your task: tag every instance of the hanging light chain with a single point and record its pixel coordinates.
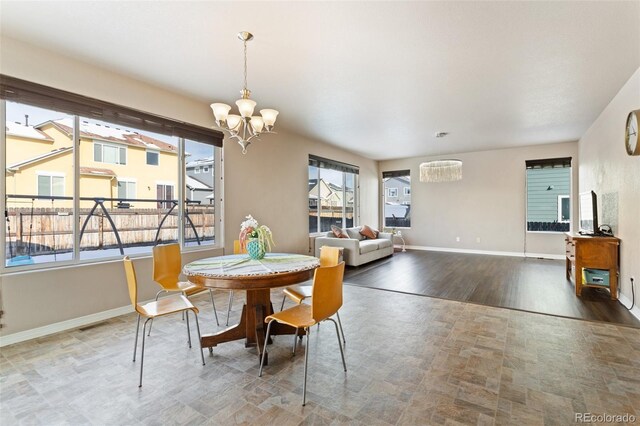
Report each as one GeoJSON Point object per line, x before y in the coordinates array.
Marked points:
{"type": "Point", "coordinates": [245, 65]}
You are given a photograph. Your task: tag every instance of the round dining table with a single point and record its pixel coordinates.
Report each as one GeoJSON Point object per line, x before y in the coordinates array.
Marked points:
{"type": "Point", "coordinates": [257, 278]}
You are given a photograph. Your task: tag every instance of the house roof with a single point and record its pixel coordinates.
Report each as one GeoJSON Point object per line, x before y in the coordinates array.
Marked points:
{"type": "Point", "coordinates": [40, 157]}
{"type": "Point", "coordinates": [22, 131]}
{"type": "Point", "coordinates": [193, 183]}
{"type": "Point", "coordinates": [92, 130]}
{"type": "Point", "coordinates": [200, 162]}
{"type": "Point", "coordinates": [97, 171]}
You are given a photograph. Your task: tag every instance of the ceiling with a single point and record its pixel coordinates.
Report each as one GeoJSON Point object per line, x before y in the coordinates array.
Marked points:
{"type": "Point", "coordinates": [377, 78]}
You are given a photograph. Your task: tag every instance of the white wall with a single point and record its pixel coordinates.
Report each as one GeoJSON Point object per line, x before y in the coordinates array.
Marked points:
{"type": "Point", "coordinates": [606, 169]}
{"type": "Point", "coordinates": [269, 182]}
{"type": "Point", "coordinates": [488, 203]}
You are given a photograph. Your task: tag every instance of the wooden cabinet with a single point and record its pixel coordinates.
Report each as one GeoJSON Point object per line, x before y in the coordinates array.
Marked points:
{"type": "Point", "coordinates": [592, 253]}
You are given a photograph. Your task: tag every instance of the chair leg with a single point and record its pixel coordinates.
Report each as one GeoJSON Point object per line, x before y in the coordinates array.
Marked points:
{"type": "Point", "coordinates": [264, 350]}
{"type": "Point", "coordinates": [295, 342]}
{"type": "Point", "coordinates": [344, 364]}
{"type": "Point", "coordinates": [215, 312]}
{"type": "Point", "coordinates": [188, 329]}
{"type": "Point", "coordinates": [135, 344]}
{"type": "Point", "coordinates": [284, 297]}
{"type": "Point", "coordinates": [229, 305]}
{"type": "Point", "coordinates": [306, 361]}
{"type": "Point", "coordinates": [144, 329]}
{"type": "Point", "coordinates": [199, 337]}
{"type": "Point", "coordinates": [341, 330]}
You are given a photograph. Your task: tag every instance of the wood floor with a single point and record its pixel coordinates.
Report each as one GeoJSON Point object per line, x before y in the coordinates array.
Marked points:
{"type": "Point", "coordinates": [535, 285]}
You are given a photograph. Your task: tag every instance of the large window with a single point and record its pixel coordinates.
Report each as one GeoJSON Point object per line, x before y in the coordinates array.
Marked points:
{"type": "Point", "coordinates": [332, 194]}
{"type": "Point", "coordinates": [80, 188]}
{"type": "Point", "coordinates": [397, 198]}
{"type": "Point", "coordinates": [549, 195]}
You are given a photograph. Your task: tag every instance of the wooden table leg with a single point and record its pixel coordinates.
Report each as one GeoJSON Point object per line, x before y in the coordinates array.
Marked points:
{"type": "Point", "coordinates": [235, 332]}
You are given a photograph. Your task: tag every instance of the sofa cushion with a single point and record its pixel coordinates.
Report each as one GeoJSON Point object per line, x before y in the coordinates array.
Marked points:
{"type": "Point", "coordinates": [384, 243]}
{"type": "Point", "coordinates": [354, 233]}
{"type": "Point", "coordinates": [369, 232]}
{"type": "Point", "coordinates": [367, 246]}
{"type": "Point", "coordinates": [339, 232]}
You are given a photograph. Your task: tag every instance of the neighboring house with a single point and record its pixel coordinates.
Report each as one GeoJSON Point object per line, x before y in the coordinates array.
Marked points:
{"type": "Point", "coordinates": [397, 191]}
{"type": "Point", "coordinates": [199, 180]}
{"type": "Point", "coordinates": [114, 163]}
{"type": "Point", "coordinates": [331, 195]}
{"type": "Point", "coordinates": [548, 195]}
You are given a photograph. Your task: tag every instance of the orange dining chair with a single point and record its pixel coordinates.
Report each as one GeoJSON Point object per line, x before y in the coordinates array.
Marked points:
{"type": "Point", "coordinates": [237, 249]}
{"type": "Point", "coordinates": [326, 299]}
{"type": "Point", "coordinates": [167, 265]}
{"type": "Point", "coordinates": [329, 256]}
{"type": "Point", "coordinates": [151, 310]}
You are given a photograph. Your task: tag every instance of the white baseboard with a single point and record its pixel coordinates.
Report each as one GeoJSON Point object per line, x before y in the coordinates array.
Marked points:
{"type": "Point", "coordinates": [627, 302]}
{"type": "Point", "coordinates": [489, 252]}
{"type": "Point", "coordinates": [57, 327]}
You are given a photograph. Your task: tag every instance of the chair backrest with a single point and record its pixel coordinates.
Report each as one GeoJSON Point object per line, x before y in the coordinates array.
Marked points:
{"type": "Point", "coordinates": [329, 256]}
{"type": "Point", "coordinates": [237, 247]}
{"type": "Point", "coordinates": [132, 282]}
{"type": "Point", "coordinates": [326, 293]}
{"type": "Point", "coordinates": [167, 265]}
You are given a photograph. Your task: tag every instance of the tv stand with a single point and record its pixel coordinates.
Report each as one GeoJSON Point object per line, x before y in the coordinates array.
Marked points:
{"type": "Point", "coordinates": [594, 252]}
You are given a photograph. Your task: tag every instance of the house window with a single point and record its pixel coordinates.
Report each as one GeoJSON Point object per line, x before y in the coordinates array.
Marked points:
{"type": "Point", "coordinates": [333, 194]}
{"type": "Point", "coordinates": [564, 208]}
{"type": "Point", "coordinates": [126, 189]}
{"type": "Point", "coordinates": [397, 209]}
{"type": "Point", "coordinates": [196, 170]}
{"type": "Point", "coordinates": [40, 157]}
{"type": "Point", "coordinates": [111, 154]}
{"type": "Point", "coordinates": [49, 184]}
{"type": "Point", "coordinates": [205, 169]}
{"type": "Point", "coordinates": [153, 158]}
{"type": "Point", "coordinates": [164, 195]}
{"type": "Point", "coordinates": [200, 202]}
{"type": "Point", "coordinates": [548, 195]}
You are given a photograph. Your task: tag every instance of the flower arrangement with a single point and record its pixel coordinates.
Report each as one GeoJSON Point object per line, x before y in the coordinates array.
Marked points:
{"type": "Point", "coordinates": [250, 229]}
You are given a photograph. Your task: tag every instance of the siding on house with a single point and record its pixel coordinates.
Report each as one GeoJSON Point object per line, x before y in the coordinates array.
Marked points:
{"type": "Point", "coordinates": [543, 188]}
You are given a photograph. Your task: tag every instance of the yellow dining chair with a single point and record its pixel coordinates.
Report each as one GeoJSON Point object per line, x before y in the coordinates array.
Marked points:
{"type": "Point", "coordinates": [329, 256]}
{"type": "Point", "coordinates": [326, 299]}
{"type": "Point", "coordinates": [151, 310]}
{"type": "Point", "coordinates": [167, 265]}
{"type": "Point", "coordinates": [237, 249]}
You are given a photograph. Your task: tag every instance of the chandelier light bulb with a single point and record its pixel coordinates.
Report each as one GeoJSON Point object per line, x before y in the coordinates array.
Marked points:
{"type": "Point", "coordinates": [233, 122]}
{"type": "Point", "coordinates": [246, 107]}
{"type": "Point", "coordinates": [257, 124]}
{"type": "Point", "coordinates": [220, 111]}
{"type": "Point", "coordinates": [269, 116]}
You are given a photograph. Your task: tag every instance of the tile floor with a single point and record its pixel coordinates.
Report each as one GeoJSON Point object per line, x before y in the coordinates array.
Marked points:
{"type": "Point", "coordinates": [411, 360]}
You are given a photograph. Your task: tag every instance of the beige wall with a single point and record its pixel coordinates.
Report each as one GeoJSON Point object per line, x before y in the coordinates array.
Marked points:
{"type": "Point", "coordinates": [488, 203]}
{"type": "Point", "coordinates": [606, 169]}
{"type": "Point", "coordinates": [269, 182]}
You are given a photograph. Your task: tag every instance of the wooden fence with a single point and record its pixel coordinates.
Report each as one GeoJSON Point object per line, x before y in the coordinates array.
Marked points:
{"type": "Point", "coordinates": [51, 229]}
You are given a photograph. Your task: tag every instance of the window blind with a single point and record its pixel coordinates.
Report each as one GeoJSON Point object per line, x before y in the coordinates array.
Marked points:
{"type": "Point", "coordinates": [325, 163]}
{"type": "Point", "coordinates": [396, 173]}
{"type": "Point", "coordinates": [548, 163]}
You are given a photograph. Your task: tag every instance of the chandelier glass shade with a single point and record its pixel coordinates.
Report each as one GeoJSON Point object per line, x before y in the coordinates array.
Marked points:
{"type": "Point", "coordinates": [441, 171]}
{"type": "Point", "coordinates": [245, 126]}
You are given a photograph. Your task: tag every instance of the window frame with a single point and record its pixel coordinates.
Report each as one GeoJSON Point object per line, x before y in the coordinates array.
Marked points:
{"type": "Point", "coordinates": [127, 181]}
{"type": "Point", "coordinates": [560, 198]}
{"type": "Point", "coordinates": [562, 162]}
{"type": "Point", "coordinates": [157, 154]}
{"type": "Point", "coordinates": [102, 144]}
{"type": "Point", "coordinates": [76, 260]}
{"type": "Point", "coordinates": [50, 175]}
{"type": "Point", "coordinates": [344, 168]}
{"type": "Point", "coordinates": [391, 174]}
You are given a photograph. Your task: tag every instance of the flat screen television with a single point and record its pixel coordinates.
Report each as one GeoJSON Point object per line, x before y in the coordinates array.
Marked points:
{"type": "Point", "coordinates": [588, 213]}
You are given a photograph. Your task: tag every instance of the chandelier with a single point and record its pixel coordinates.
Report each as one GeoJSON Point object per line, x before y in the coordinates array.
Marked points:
{"type": "Point", "coordinates": [441, 171]}
{"type": "Point", "coordinates": [246, 126]}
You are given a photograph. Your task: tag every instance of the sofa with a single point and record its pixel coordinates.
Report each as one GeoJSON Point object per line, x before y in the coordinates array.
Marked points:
{"type": "Point", "coordinates": [357, 248]}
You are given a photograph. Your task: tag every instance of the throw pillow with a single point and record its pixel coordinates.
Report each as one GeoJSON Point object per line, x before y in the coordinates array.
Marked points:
{"type": "Point", "coordinates": [338, 232]}
{"type": "Point", "coordinates": [369, 232]}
